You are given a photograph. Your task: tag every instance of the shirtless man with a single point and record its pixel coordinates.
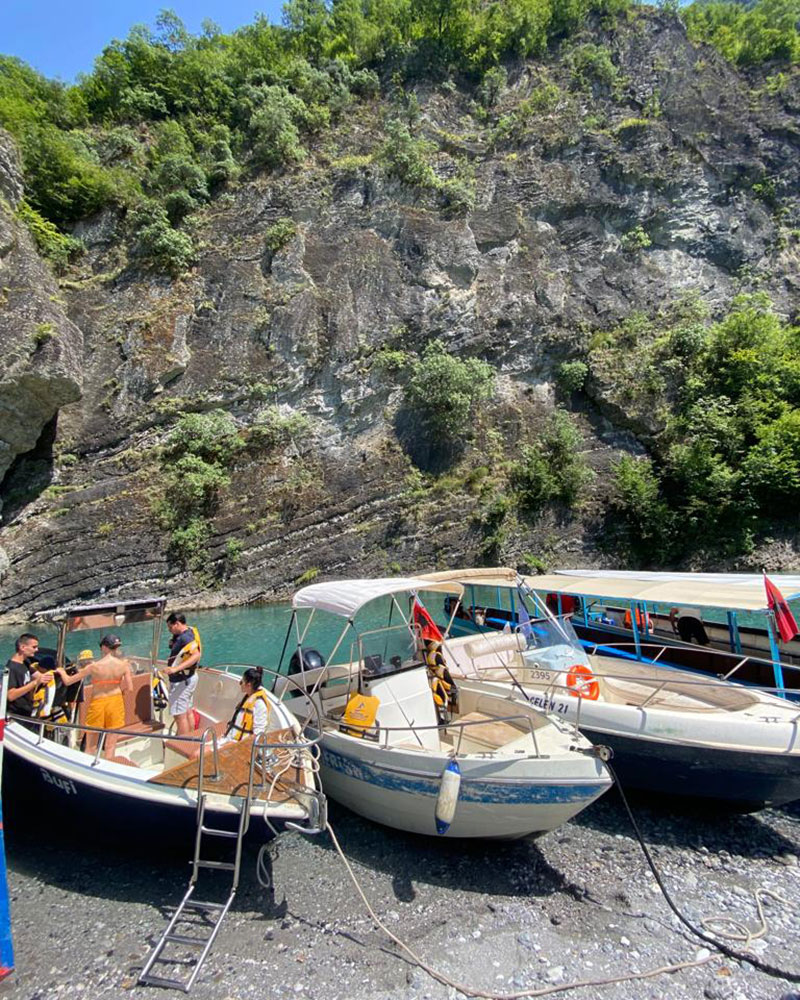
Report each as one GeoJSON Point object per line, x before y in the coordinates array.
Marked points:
{"type": "Point", "coordinates": [109, 676]}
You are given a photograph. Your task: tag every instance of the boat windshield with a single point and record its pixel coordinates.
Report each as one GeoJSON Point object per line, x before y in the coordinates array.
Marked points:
{"type": "Point", "coordinates": [387, 649]}
{"type": "Point", "coordinates": [542, 633]}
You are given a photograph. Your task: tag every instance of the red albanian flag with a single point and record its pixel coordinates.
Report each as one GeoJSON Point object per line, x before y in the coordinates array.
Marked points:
{"type": "Point", "coordinates": [428, 628]}
{"type": "Point", "coordinates": [784, 619]}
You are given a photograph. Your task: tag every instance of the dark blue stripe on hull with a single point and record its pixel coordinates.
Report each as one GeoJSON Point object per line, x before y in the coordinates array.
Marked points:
{"type": "Point", "coordinates": [506, 792]}
{"type": "Point", "coordinates": [741, 779]}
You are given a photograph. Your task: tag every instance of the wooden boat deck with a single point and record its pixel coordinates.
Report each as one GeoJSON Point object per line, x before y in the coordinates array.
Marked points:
{"type": "Point", "coordinates": [234, 767]}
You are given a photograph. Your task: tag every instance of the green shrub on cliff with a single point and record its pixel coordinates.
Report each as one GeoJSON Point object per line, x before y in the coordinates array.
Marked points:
{"type": "Point", "coordinates": [443, 390]}
{"type": "Point", "coordinates": [639, 504]}
{"type": "Point", "coordinates": [272, 429]}
{"type": "Point", "coordinates": [406, 157]}
{"type": "Point", "coordinates": [213, 437]}
{"type": "Point", "coordinates": [280, 234]}
{"type": "Point", "coordinates": [552, 467]}
{"type": "Point", "coordinates": [51, 244]}
{"type": "Point", "coordinates": [158, 244]}
{"type": "Point", "coordinates": [195, 462]}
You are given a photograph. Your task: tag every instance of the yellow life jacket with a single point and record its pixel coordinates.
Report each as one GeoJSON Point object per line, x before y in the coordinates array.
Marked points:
{"type": "Point", "coordinates": [159, 692]}
{"type": "Point", "coordinates": [445, 692]}
{"type": "Point", "coordinates": [359, 715]}
{"type": "Point", "coordinates": [193, 646]}
{"type": "Point", "coordinates": [242, 724]}
{"type": "Point", "coordinates": [43, 698]}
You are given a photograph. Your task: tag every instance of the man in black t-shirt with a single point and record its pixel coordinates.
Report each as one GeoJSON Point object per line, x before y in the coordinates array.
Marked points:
{"type": "Point", "coordinates": [22, 680]}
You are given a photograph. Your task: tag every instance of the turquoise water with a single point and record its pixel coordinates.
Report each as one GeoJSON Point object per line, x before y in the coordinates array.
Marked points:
{"type": "Point", "coordinates": [251, 634]}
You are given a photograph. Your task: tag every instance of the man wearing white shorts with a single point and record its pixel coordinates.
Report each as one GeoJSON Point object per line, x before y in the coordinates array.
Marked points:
{"type": "Point", "coordinates": [185, 650]}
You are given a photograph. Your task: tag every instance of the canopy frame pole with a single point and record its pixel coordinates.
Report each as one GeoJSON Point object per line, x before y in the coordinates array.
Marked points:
{"type": "Point", "coordinates": [733, 633]}
{"type": "Point", "coordinates": [775, 652]}
{"type": "Point", "coordinates": [635, 627]}
{"type": "Point", "coordinates": [645, 620]}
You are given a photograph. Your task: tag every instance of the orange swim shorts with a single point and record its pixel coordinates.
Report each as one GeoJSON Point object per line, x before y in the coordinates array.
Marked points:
{"type": "Point", "coordinates": [106, 711]}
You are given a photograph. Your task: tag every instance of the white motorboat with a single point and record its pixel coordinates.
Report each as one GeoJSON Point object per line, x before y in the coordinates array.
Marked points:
{"type": "Point", "coordinates": [496, 768]}
{"type": "Point", "coordinates": [153, 781]}
{"type": "Point", "coordinates": [672, 731]}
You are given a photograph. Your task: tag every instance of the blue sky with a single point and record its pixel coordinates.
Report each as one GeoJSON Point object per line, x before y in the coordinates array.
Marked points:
{"type": "Point", "coordinates": [61, 38]}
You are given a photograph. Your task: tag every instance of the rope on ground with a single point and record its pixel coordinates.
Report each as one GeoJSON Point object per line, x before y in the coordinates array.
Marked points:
{"type": "Point", "coordinates": [739, 931]}
{"type": "Point", "coordinates": [770, 970]}
{"type": "Point", "coordinates": [472, 991]}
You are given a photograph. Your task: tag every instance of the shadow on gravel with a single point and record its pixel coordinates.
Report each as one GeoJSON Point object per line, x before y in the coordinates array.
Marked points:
{"type": "Point", "coordinates": [688, 824]}
{"type": "Point", "coordinates": [134, 872]}
{"type": "Point", "coordinates": [502, 868]}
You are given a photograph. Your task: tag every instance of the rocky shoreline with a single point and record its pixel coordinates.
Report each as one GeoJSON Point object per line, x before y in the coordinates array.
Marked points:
{"type": "Point", "coordinates": [577, 904]}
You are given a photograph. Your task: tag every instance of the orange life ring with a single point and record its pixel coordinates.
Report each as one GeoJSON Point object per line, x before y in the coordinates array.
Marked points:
{"type": "Point", "coordinates": [582, 683]}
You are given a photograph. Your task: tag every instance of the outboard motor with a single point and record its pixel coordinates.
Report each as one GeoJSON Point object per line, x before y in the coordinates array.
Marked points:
{"type": "Point", "coordinates": [312, 660]}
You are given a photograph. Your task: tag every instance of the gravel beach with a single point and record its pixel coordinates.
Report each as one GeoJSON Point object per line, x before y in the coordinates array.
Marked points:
{"type": "Point", "coordinates": [577, 904]}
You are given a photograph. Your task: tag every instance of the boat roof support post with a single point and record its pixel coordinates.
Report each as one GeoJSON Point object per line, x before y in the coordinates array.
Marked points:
{"type": "Point", "coordinates": [635, 627]}
{"type": "Point", "coordinates": [775, 652]}
{"type": "Point", "coordinates": [733, 633]}
{"type": "Point", "coordinates": [60, 646]}
{"type": "Point", "coordinates": [158, 621]}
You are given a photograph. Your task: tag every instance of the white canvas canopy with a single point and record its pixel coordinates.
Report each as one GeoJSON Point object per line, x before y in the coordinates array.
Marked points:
{"type": "Point", "coordinates": [491, 576]}
{"type": "Point", "coordinates": [727, 591]}
{"type": "Point", "coordinates": [346, 597]}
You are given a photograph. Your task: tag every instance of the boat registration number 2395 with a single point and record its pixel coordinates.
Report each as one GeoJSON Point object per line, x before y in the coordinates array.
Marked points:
{"type": "Point", "coordinates": [65, 784]}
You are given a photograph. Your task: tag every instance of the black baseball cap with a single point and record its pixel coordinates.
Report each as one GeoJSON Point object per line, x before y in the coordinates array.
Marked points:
{"type": "Point", "coordinates": [111, 641]}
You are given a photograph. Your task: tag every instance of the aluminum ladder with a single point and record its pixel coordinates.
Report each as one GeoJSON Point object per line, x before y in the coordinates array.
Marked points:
{"type": "Point", "coordinates": [213, 913]}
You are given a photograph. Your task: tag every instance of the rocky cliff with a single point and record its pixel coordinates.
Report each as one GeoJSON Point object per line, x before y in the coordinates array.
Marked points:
{"type": "Point", "coordinates": [615, 197]}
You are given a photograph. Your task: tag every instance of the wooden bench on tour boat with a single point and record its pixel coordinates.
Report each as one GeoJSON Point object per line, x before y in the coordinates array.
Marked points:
{"type": "Point", "coordinates": [234, 765]}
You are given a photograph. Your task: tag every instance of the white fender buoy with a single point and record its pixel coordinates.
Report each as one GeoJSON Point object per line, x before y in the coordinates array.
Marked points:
{"type": "Point", "coordinates": [447, 800]}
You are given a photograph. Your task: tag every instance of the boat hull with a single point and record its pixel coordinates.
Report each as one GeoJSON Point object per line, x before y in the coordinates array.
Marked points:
{"type": "Point", "coordinates": [738, 780]}
{"type": "Point", "coordinates": [38, 783]}
{"type": "Point", "coordinates": [403, 795]}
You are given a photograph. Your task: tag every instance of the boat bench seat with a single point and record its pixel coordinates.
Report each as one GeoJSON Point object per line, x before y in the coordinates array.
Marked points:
{"type": "Point", "coordinates": [486, 733]}
{"type": "Point", "coordinates": [188, 750]}
{"type": "Point", "coordinates": [138, 708]}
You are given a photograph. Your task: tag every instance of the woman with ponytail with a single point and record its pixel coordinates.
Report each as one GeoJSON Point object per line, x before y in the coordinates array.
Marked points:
{"type": "Point", "coordinates": [251, 717]}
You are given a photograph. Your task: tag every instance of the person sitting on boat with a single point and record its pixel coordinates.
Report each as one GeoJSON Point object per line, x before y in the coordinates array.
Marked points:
{"type": "Point", "coordinates": [562, 604]}
{"type": "Point", "coordinates": [445, 692]}
{"type": "Point", "coordinates": [110, 676]}
{"type": "Point", "coordinates": [688, 623]}
{"type": "Point", "coordinates": [641, 618]}
{"type": "Point", "coordinates": [185, 650]}
{"type": "Point", "coordinates": [24, 679]}
{"type": "Point", "coordinates": [251, 717]}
